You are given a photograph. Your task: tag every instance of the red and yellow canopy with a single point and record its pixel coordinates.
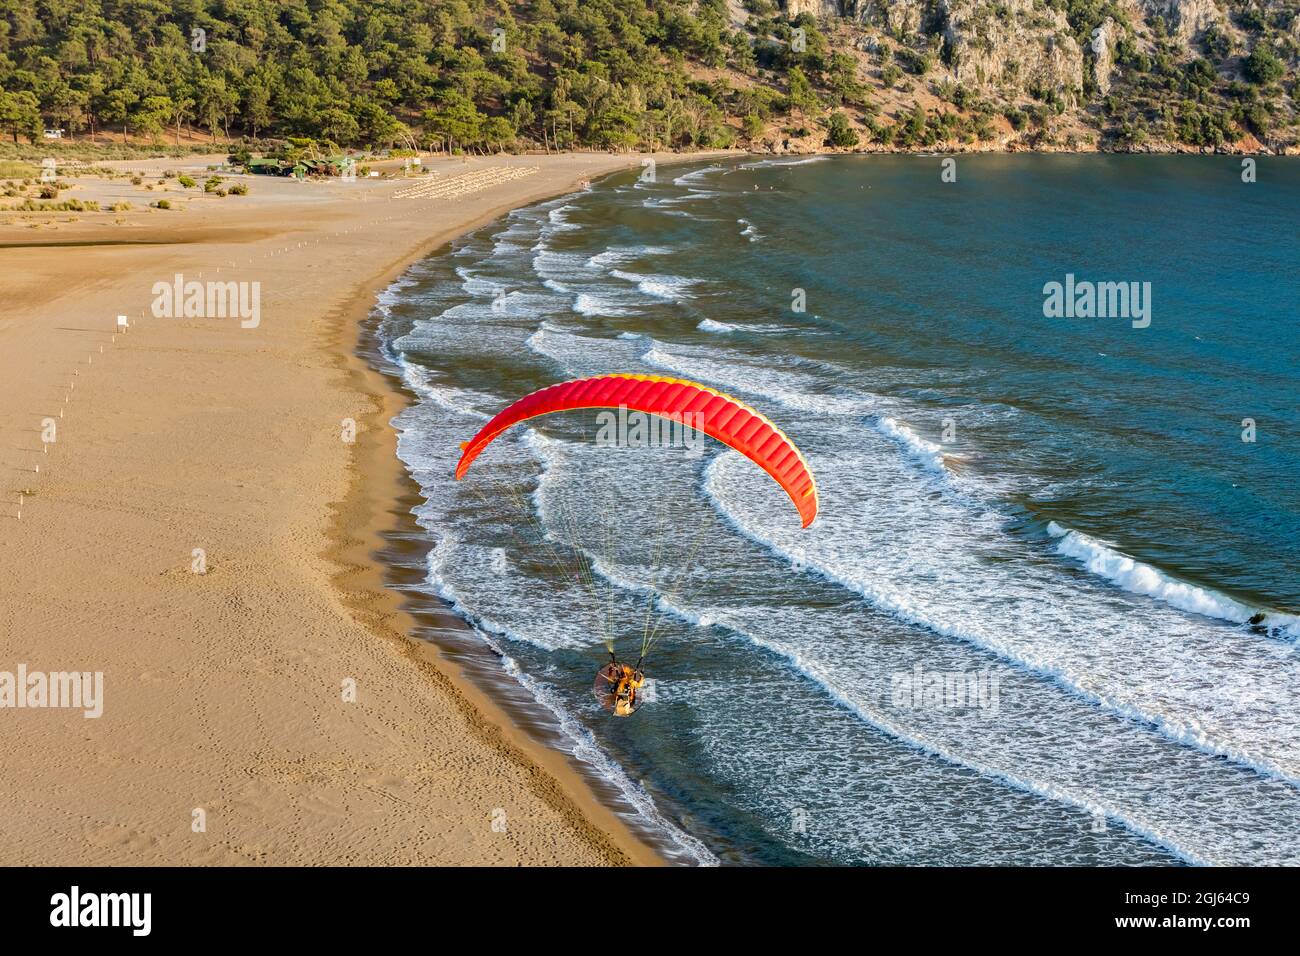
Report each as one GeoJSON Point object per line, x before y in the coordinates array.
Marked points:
{"type": "Point", "coordinates": [720, 416]}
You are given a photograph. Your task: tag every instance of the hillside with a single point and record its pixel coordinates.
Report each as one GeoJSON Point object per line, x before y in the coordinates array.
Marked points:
{"type": "Point", "coordinates": [650, 74]}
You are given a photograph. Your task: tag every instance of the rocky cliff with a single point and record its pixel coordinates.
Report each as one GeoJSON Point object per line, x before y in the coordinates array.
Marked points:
{"type": "Point", "coordinates": [1135, 74]}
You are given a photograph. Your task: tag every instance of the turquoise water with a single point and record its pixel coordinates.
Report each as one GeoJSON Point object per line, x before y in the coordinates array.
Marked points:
{"type": "Point", "coordinates": [1056, 514]}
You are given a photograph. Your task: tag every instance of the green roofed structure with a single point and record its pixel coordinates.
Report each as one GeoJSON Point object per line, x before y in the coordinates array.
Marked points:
{"type": "Point", "coordinates": [268, 167]}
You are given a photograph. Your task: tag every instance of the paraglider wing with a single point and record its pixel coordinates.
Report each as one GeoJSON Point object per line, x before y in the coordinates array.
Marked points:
{"type": "Point", "coordinates": [720, 416]}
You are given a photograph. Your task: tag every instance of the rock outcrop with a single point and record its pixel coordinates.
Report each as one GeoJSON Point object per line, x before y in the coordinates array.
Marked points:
{"type": "Point", "coordinates": [1186, 19]}
{"type": "Point", "coordinates": [818, 8]}
{"type": "Point", "coordinates": [1102, 46]}
{"type": "Point", "coordinates": [1014, 43]}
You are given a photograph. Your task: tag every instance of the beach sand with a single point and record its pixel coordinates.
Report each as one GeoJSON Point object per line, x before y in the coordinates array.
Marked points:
{"type": "Point", "coordinates": [224, 692]}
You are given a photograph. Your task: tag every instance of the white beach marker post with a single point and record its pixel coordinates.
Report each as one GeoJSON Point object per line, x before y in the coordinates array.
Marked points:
{"type": "Point", "coordinates": [122, 325]}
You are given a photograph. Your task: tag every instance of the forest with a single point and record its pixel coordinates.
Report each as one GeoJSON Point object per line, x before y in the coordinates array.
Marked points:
{"type": "Point", "coordinates": [487, 75]}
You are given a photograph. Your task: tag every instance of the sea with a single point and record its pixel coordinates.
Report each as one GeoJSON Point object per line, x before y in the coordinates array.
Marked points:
{"type": "Point", "coordinates": [1048, 613]}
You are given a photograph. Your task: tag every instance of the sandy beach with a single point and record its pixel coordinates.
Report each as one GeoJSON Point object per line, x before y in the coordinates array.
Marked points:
{"type": "Point", "coordinates": [185, 510]}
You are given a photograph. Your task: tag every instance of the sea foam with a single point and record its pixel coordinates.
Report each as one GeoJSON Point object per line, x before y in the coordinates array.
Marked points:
{"type": "Point", "coordinates": [1103, 560]}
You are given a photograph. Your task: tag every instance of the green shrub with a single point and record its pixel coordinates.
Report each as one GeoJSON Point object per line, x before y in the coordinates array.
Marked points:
{"type": "Point", "coordinates": [841, 134]}
{"type": "Point", "coordinates": [14, 169]}
{"type": "Point", "coordinates": [1263, 66]}
{"type": "Point", "coordinates": [68, 205]}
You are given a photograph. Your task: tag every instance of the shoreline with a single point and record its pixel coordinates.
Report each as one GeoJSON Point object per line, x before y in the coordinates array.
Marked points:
{"type": "Point", "coordinates": [1007, 146]}
{"type": "Point", "coordinates": [369, 523]}
{"type": "Point", "coordinates": [436, 628]}
{"type": "Point", "coordinates": [225, 697]}
{"type": "Point", "coordinates": [370, 518]}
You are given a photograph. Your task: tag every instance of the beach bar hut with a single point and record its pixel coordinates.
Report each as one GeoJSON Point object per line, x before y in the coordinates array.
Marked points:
{"type": "Point", "coordinates": [267, 167]}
